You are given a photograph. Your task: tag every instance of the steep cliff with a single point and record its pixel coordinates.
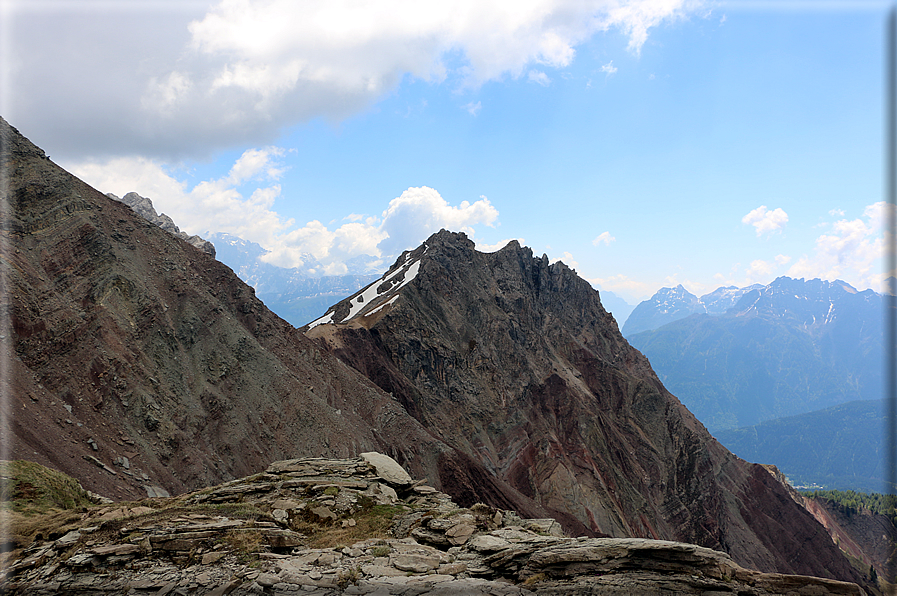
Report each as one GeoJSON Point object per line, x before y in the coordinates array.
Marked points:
{"type": "Point", "coordinates": [514, 361]}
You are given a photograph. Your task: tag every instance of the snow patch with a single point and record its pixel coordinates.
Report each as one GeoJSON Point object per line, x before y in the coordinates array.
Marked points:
{"type": "Point", "coordinates": [371, 294]}
{"type": "Point", "coordinates": [328, 318]}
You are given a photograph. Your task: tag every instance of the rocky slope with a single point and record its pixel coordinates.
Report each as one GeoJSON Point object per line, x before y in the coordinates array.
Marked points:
{"type": "Point", "coordinates": [142, 366]}
{"type": "Point", "coordinates": [869, 538]}
{"type": "Point", "coordinates": [263, 535]}
{"type": "Point", "coordinates": [514, 362]}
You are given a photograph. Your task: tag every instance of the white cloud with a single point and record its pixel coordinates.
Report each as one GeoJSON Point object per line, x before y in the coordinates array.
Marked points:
{"type": "Point", "coordinates": [539, 77]}
{"type": "Point", "coordinates": [765, 221]}
{"type": "Point", "coordinates": [242, 203]}
{"type": "Point", "coordinates": [836, 213]}
{"type": "Point", "coordinates": [568, 260]}
{"type": "Point", "coordinates": [473, 108]}
{"type": "Point", "coordinates": [211, 205]}
{"type": "Point", "coordinates": [851, 250]}
{"type": "Point", "coordinates": [419, 212]}
{"type": "Point", "coordinates": [169, 80]}
{"type": "Point", "coordinates": [603, 237]}
{"type": "Point", "coordinates": [759, 271]}
{"type": "Point", "coordinates": [782, 260]}
{"type": "Point", "coordinates": [632, 290]}
{"type": "Point", "coordinates": [498, 245]}
{"type": "Point", "coordinates": [609, 68]}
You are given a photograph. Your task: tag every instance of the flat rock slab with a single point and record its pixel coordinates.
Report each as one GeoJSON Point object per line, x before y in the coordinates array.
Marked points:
{"type": "Point", "coordinates": [388, 469]}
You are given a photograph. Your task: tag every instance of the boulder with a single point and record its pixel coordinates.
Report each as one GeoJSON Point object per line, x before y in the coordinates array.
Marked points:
{"type": "Point", "coordinates": [388, 469]}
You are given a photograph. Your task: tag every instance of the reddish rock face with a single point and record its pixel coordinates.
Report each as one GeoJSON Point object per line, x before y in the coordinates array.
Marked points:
{"type": "Point", "coordinates": [514, 362]}
{"type": "Point", "coordinates": [869, 537]}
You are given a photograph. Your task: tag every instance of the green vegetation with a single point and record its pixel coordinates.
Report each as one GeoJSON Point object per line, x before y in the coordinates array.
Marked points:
{"type": "Point", "coordinates": [246, 543]}
{"type": "Point", "coordinates": [852, 502]}
{"type": "Point", "coordinates": [841, 447]}
{"type": "Point", "coordinates": [29, 488]}
{"type": "Point", "coordinates": [372, 521]}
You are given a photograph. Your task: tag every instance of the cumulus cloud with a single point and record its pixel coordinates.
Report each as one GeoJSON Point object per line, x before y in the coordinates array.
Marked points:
{"type": "Point", "coordinates": [766, 221]}
{"type": "Point", "coordinates": [181, 79]}
{"type": "Point", "coordinates": [473, 108]}
{"type": "Point", "coordinates": [603, 238]}
{"type": "Point", "coordinates": [419, 212]}
{"type": "Point", "coordinates": [759, 270]}
{"type": "Point", "coordinates": [850, 250]}
{"type": "Point", "coordinates": [609, 68]}
{"type": "Point", "coordinates": [242, 203]}
{"type": "Point", "coordinates": [211, 205]}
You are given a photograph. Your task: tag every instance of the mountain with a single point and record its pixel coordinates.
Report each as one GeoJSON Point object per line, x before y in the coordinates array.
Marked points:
{"type": "Point", "coordinates": [672, 304]}
{"type": "Point", "coordinates": [665, 306]}
{"type": "Point", "coordinates": [514, 362]}
{"type": "Point", "coordinates": [868, 535]}
{"type": "Point", "coordinates": [139, 365]}
{"type": "Point", "coordinates": [841, 447]}
{"type": "Point", "coordinates": [142, 366]}
{"type": "Point", "coordinates": [293, 293]}
{"type": "Point", "coordinates": [787, 348]}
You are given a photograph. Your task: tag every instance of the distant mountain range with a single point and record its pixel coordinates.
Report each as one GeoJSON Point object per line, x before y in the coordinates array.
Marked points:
{"type": "Point", "coordinates": [786, 348]}
{"type": "Point", "coordinates": [840, 448]}
{"type": "Point", "coordinates": [295, 294]}
{"type": "Point", "coordinates": [672, 304]}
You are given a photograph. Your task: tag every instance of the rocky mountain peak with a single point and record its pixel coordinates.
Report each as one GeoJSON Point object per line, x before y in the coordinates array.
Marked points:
{"type": "Point", "coordinates": [513, 361]}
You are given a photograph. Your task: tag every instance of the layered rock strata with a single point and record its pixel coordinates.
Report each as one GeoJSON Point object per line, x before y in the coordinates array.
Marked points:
{"type": "Point", "coordinates": [242, 538]}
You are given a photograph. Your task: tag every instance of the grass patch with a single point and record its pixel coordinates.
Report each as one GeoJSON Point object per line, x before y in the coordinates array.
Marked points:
{"type": "Point", "coordinates": [37, 503]}
{"type": "Point", "coordinates": [534, 579]}
{"type": "Point", "coordinates": [245, 543]}
{"type": "Point", "coordinates": [381, 551]}
{"type": "Point", "coordinates": [32, 489]}
{"type": "Point", "coordinates": [233, 510]}
{"type": "Point", "coordinates": [372, 521]}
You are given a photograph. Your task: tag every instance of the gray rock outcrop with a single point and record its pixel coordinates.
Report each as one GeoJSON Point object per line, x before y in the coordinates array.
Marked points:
{"type": "Point", "coordinates": [262, 535]}
{"type": "Point", "coordinates": [144, 208]}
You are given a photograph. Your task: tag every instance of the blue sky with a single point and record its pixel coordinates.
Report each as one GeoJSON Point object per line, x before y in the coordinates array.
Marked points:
{"type": "Point", "coordinates": [645, 143]}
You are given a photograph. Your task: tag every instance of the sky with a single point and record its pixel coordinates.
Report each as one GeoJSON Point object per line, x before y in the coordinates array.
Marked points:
{"type": "Point", "coordinates": [645, 143]}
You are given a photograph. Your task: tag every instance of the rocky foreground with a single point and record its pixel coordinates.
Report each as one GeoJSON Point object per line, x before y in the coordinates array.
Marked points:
{"type": "Point", "coordinates": [357, 526]}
